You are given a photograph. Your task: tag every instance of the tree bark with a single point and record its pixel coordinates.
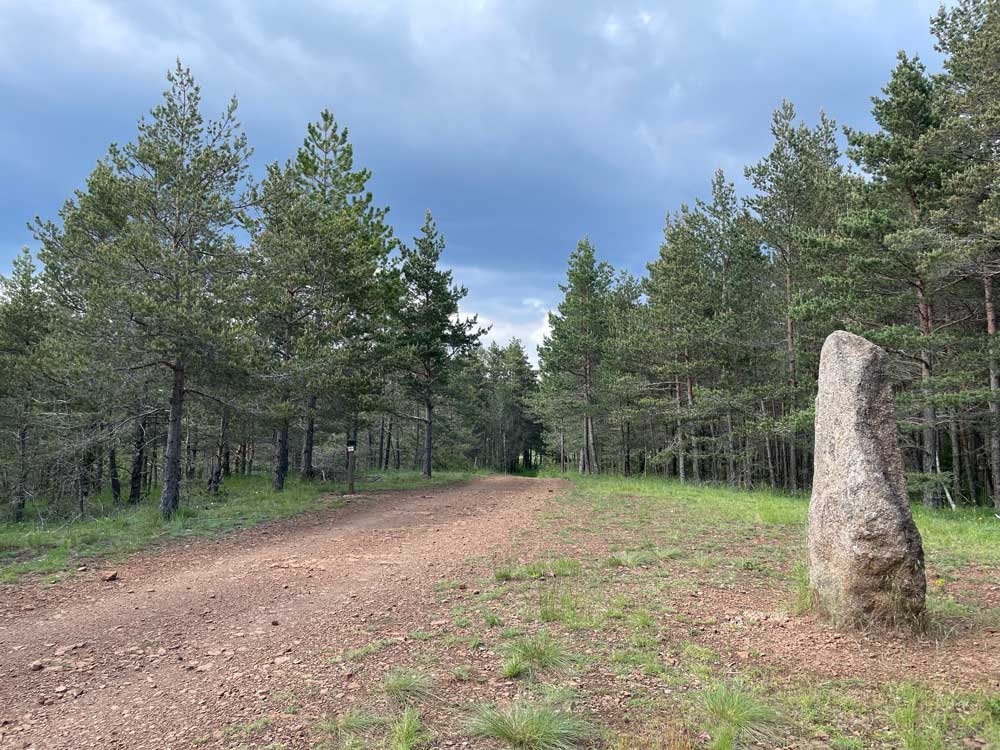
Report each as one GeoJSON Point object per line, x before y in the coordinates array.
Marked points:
{"type": "Point", "coordinates": [171, 496]}
{"type": "Point", "coordinates": [308, 441]}
{"type": "Point", "coordinates": [381, 444]}
{"type": "Point", "coordinates": [428, 437]}
{"type": "Point", "coordinates": [994, 431]}
{"type": "Point", "coordinates": [388, 448]}
{"type": "Point", "coordinates": [730, 451]}
{"type": "Point", "coordinates": [225, 463]}
{"type": "Point", "coordinates": [931, 496]}
{"type": "Point", "coordinates": [956, 456]}
{"type": "Point", "coordinates": [280, 457]}
{"type": "Point", "coordinates": [21, 493]}
{"type": "Point", "coordinates": [116, 484]}
{"type": "Point", "coordinates": [767, 453]}
{"type": "Point", "coordinates": [352, 455]}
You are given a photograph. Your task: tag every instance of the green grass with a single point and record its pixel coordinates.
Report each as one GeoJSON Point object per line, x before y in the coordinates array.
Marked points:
{"type": "Point", "coordinates": [950, 537]}
{"type": "Point", "coordinates": [631, 559]}
{"type": "Point", "coordinates": [356, 654]}
{"type": "Point", "coordinates": [738, 719]}
{"type": "Point", "coordinates": [558, 567]}
{"type": "Point", "coordinates": [917, 727]}
{"type": "Point", "coordinates": [247, 728]}
{"type": "Point", "coordinates": [533, 654]}
{"type": "Point", "coordinates": [407, 732]}
{"type": "Point", "coordinates": [44, 546]}
{"type": "Point", "coordinates": [350, 724]}
{"type": "Point", "coordinates": [528, 726]}
{"type": "Point", "coordinates": [406, 686]}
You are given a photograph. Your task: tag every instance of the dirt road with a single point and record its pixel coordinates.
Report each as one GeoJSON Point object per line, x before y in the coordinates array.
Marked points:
{"type": "Point", "coordinates": [193, 642]}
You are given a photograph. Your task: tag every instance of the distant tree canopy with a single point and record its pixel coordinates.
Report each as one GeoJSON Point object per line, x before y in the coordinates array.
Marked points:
{"type": "Point", "coordinates": [896, 238]}
{"type": "Point", "coordinates": [189, 322]}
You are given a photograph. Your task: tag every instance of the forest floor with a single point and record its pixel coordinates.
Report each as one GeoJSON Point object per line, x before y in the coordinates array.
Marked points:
{"type": "Point", "coordinates": [609, 613]}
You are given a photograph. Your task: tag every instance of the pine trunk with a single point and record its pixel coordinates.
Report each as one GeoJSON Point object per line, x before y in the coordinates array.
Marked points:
{"type": "Point", "coordinates": [929, 449]}
{"type": "Point", "coordinates": [428, 438]}
{"type": "Point", "coordinates": [170, 499]}
{"type": "Point", "coordinates": [994, 431]}
{"type": "Point", "coordinates": [309, 439]}
{"type": "Point", "coordinates": [280, 457]}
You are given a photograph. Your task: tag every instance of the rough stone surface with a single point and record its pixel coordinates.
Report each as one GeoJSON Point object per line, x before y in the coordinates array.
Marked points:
{"type": "Point", "coordinates": [866, 557]}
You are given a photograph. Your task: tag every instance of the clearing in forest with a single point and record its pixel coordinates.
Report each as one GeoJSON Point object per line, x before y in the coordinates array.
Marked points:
{"type": "Point", "coordinates": [502, 612]}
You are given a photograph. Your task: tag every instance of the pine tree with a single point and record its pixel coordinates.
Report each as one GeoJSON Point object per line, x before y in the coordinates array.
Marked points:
{"type": "Point", "coordinates": [574, 349]}
{"type": "Point", "coordinates": [897, 249]}
{"type": "Point", "coordinates": [430, 333]}
{"type": "Point", "coordinates": [797, 195]}
{"type": "Point", "coordinates": [25, 320]}
{"type": "Point", "coordinates": [144, 252]}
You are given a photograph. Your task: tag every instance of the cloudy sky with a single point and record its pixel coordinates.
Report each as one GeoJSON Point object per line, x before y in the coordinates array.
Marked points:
{"type": "Point", "coordinates": [522, 124]}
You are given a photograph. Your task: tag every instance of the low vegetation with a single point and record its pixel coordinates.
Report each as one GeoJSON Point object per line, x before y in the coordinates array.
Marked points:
{"type": "Point", "coordinates": [633, 640]}
{"type": "Point", "coordinates": [529, 726]}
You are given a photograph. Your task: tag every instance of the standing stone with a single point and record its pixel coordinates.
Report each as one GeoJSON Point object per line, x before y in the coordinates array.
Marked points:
{"type": "Point", "coordinates": [866, 557]}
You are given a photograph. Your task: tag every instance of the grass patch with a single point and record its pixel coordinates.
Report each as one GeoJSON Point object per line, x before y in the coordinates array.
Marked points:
{"type": "Point", "coordinates": [247, 728]}
{"type": "Point", "coordinates": [406, 686]}
{"type": "Point", "coordinates": [357, 654]}
{"type": "Point", "coordinates": [738, 719]}
{"type": "Point", "coordinates": [349, 725]}
{"type": "Point", "coordinates": [916, 727]}
{"type": "Point", "coordinates": [632, 559]}
{"type": "Point", "coordinates": [558, 567]}
{"type": "Point", "coordinates": [532, 654]}
{"type": "Point", "coordinates": [802, 594]}
{"type": "Point", "coordinates": [528, 726]}
{"type": "Point", "coordinates": [407, 732]}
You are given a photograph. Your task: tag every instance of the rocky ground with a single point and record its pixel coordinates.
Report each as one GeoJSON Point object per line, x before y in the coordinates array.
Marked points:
{"type": "Point", "coordinates": [270, 637]}
{"type": "Point", "coordinates": [192, 640]}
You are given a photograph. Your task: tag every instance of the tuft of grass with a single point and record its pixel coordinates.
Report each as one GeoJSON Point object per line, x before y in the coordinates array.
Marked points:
{"type": "Point", "coordinates": [527, 726]}
{"type": "Point", "coordinates": [513, 668]}
{"type": "Point", "coordinates": [492, 620]}
{"type": "Point", "coordinates": [738, 718]}
{"type": "Point", "coordinates": [561, 607]}
{"type": "Point", "coordinates": [535, 653]}
{"type": "Point", "coordinates": [352, 722]}
{"type": "Point", "coordinates": [356, 654]}
{"type": "Point", "coordinates": [247, 728]}
{"type": "Point", "coordinates": [407, 685]}
{"type": "Point", "coordinates": [407, 732]}
{"type": "Point", "coordinates": [802, 600]}
{"type": "Point", "coordinates": [918, 727]}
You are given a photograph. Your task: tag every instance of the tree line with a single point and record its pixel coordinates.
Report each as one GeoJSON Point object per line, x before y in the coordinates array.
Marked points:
{"type": "Point", "coordinates": [187, 323]}
{"type": "Point", "coordinates": [704, 369]}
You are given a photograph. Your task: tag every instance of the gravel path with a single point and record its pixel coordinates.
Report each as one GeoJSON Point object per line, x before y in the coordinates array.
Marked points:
{"type": "Point", "coordinates": [194, 639]}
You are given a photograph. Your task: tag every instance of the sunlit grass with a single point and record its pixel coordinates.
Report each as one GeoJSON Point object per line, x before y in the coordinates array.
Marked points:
{"type": "Point", "coordinates": [964, 536]}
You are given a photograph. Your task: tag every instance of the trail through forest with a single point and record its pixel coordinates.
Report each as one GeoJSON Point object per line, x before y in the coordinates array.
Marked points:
{"type": "Point", "coordinates": [194, 638]}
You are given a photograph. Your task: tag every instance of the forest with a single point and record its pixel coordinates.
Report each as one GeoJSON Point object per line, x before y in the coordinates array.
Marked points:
{"type": "Point", "coordinates": [183, 320]}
